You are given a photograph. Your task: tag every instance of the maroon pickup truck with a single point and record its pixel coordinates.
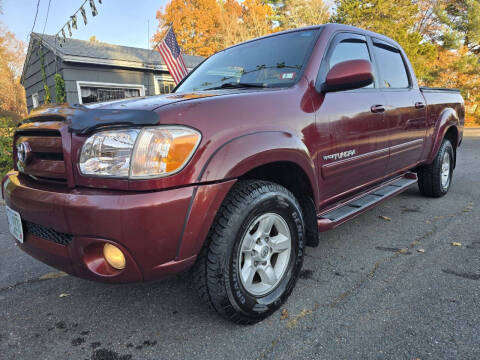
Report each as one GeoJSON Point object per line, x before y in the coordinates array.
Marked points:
{"type": "Point", "coordinates": [262, 147]}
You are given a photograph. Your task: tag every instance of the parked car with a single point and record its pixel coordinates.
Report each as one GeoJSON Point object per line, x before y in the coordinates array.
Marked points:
{"type": "Point", "coordinates": [258, 150]}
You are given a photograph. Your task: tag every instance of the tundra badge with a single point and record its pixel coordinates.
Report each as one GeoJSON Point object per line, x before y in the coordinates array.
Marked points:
{"type": "Point", "coordinates": [340, 155]}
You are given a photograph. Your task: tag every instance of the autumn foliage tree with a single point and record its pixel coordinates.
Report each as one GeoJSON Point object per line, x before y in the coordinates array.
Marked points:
{"type": "Point", "coordinates": [299, 13]}
{"type": "Point", "coordinates": [12, 94]}
{"type": "Point", "coordinates": [12, 55]}
{"type": "Point", "coordinates": [204, 27]}
{"type": "Point", "coordinates": [440, 37]}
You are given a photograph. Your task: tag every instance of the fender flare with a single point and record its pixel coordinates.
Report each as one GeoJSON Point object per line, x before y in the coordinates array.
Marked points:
{"type": "Point", "coordinates": [448, 118]}
{"type": "Point", "coordinates": [246, 152]}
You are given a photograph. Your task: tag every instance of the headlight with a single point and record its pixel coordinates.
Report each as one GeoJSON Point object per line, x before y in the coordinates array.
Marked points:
{"type": "Point", "coordinates": [138, 153]}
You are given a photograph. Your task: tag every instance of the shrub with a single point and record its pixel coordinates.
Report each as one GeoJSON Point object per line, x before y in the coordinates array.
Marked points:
{"type": "Point", "coordinates": [7, 128]}
{"type": "Point", "coordinates": [59, 89]}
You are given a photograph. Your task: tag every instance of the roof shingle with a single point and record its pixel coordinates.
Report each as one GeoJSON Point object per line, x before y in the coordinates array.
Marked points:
{"type": "Point", "coordinates": [100, 50]}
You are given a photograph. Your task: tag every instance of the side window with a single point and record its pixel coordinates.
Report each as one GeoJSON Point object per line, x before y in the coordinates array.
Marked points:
{"type": "Point", "coordinates": [392, 69]}
{"type": "Point", "coordinates": [349, 49]}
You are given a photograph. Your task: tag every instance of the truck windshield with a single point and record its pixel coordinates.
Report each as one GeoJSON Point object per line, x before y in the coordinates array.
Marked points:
{"type": "Point", "coordinates": [276, 61]}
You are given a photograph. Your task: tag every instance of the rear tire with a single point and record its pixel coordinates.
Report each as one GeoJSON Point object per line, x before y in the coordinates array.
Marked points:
{"type": "Point", "coordinates": [253, 253]}
{"type": "Point", "coordinates": [434, 180]}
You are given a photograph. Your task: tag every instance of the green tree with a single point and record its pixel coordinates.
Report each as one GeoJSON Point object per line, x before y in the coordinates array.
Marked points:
{"type": "Point", "coordinates": [462, 19]}
{"type": "Point", "coordinates": [396, 20]}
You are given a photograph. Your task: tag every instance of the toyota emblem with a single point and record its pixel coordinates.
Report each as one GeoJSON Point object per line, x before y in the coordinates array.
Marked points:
{"type": "Point", "coordinates": [23, 153]}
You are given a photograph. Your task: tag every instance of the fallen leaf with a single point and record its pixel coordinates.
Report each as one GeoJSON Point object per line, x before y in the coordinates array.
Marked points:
{"type": "Point", "coordinates": [421, 250]}
{"type": "Point", "coordinates": [385, 218]}
{"type": "Point", "coordinates": [62, 295]}
{"type": "Point", "coordinates": [53, 275]}
{"type": "Point", "coordinates": [403, 250]}
{"type": "Point", "coordinates": [293, 321]}
{"type": "Point", "coordinates": [284, 314]}
{"type": "Point", "coordinates": [456, 243]}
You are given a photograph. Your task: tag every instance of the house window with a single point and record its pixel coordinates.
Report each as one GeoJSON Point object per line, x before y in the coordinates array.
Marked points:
{"type": "Point", "coordinates": [97, 92]}
{"type": "Point", "coordinates": [35, 100]}
{"type": "Point", "coordinates": [164, 84]}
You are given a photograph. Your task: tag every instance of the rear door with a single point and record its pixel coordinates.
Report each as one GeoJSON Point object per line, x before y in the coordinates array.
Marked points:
{"type": "Point", "coordinates": [405, 113]}
{"type": "Point", "coordinates": [359, 150]}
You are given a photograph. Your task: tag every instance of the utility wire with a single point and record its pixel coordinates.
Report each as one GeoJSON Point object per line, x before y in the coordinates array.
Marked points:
{"type": "Point", "coordinates": [27, 60]}
{"type": "Point", "coordinates": [46, 19]}
{"type": "Point", "coordinates": [36, 13]}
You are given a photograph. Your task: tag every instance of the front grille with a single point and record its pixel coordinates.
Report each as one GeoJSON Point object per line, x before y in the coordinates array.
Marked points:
{"type": "Point", "coordinates": [45, 154]}
{"type": "Point", "coordinates": [47, 233]}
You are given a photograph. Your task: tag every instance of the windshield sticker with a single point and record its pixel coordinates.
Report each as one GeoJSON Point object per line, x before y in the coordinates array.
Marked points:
{"type": "Point", "coordinates": [288, 76]}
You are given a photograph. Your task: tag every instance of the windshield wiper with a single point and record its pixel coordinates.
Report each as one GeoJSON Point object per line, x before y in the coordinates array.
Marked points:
{"type": "Point", "coordinates": [238, 85]}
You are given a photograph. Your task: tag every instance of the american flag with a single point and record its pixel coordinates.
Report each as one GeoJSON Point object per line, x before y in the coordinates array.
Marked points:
{"type": "Point", "coordinates": [172, 56]}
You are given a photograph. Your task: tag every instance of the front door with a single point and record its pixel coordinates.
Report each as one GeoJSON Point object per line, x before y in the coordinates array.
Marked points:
{"type": "Point", "coordinates": [359, 154]}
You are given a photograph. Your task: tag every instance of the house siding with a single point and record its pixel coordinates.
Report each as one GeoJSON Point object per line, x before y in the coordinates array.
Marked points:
{"type": "Point", "coordinates": [75, 72]}
{"type": "Point", "coordinates": [33, 81]}
{"type": "Point", "coordinates": [74, 66]}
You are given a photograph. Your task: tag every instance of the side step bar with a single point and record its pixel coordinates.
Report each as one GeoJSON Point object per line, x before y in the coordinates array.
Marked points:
{"type": "Point", "coordinates": [344, 212]}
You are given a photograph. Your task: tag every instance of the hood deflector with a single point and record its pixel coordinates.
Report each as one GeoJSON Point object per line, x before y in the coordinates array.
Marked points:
{"type": "Point", "coordinates": [82, 120]}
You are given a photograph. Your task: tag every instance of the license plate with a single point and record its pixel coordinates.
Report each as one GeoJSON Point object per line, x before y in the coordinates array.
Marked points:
{"type": "Point", "coordinates": [15, 224]}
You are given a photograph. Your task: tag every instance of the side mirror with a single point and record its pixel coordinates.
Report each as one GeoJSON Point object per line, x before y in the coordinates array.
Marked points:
{"type": "Point", "coordinates": [348, 75]}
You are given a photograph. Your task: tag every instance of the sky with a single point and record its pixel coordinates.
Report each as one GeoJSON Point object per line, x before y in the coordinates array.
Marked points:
{"type": "Point", "coordinates": [122, 22]}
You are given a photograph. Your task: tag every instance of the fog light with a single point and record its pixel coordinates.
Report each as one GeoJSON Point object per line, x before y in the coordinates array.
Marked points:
{"type": "Point", "coordinates": [114, 256]}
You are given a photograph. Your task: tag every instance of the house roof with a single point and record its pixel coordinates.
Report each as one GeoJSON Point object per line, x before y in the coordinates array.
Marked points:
{"type": "Point", "coordinates": [82, 51]}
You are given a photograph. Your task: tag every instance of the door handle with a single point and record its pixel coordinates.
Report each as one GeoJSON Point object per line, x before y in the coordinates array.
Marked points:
{"type": "Point", "coordinates": [377, 108]}
{"type": "Point", "coordinates": [419, 105]}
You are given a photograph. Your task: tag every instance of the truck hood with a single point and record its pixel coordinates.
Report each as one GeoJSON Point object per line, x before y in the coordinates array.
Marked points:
{"type": "Point", "coordinates": [83, 119]}
{"type": "Point", "coordinates": [154, 102]}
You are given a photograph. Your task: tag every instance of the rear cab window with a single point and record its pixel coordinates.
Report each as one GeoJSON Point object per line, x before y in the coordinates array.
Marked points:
{"type": "Point", "coordinates": [391, 66]}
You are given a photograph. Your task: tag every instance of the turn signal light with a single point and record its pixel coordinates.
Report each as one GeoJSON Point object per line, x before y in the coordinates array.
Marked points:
{"type": "Point", "coordinates": [114, 256]}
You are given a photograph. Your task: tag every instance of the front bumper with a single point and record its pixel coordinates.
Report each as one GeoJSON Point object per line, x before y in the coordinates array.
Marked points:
{"type": "Point", "coordinates": [159, 232]}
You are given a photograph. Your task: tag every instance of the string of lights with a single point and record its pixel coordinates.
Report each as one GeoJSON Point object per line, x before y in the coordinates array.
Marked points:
{"type": "Point", "coordinates": [72, 23]}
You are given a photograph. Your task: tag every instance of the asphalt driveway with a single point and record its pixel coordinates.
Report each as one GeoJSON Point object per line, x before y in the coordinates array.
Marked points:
{"type": "Point", "coordinates": [387, 285]}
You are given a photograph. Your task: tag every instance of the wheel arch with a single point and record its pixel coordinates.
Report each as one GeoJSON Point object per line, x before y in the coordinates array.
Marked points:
{"type": "Point", "coordinates": [452, 135]}
{"type": "Point", "coordinates": [447, 126]}
{"type": "Point", "coordinates": [292, 177]}
{"type": "Point", "coordinates": [246, 154]}
{"type": "Point", "coordinates": [275, 156]}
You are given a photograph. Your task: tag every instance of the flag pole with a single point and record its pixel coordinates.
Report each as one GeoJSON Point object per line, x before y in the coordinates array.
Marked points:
{"type": "Point", "coordinates": [164, 36]}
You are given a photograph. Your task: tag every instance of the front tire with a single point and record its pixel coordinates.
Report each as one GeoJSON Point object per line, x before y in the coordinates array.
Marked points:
{"type": "Point", "coordinates": [434, 180]}
{"type": "Point", "coordinates": [253, 253]}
